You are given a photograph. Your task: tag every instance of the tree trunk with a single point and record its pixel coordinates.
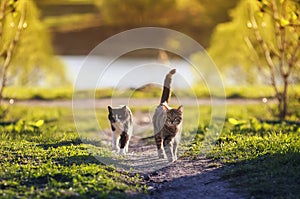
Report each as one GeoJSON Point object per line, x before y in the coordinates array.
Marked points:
{"type": "Point", "coordinates": [9, 52]}
{"type": "Point", "coordinates": [284, 99]}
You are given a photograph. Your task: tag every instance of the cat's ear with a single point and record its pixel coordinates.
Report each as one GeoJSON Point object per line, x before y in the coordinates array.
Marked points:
{"type": "Point", "coordinates": [124, 108]}
{"type": "Point", "coordinates": [180, 109]}
{"type": "Point", "coordinates": [109, 109]}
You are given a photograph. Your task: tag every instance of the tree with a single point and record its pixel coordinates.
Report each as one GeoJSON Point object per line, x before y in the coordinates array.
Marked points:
{"type": "Point", "coordinates": [137, 12]}
{"type": "Point", "coordinates": [26, 53]}
{"type": "Point", "coordinates": [7, 48]}
{"type": "Point", "coordinates": [265, 34]}
{"type": "Point", "coordinates": [193, 17]}
{"type": "Point", "coordinates": [283, 52]}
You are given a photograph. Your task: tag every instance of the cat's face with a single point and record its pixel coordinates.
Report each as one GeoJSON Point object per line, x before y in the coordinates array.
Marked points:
{"type": "Point", "coordinates": [174, 117]}
{"type": "Point", "coordinates": [118, 114]}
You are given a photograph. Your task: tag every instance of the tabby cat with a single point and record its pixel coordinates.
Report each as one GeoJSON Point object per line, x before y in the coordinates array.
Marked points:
{"type": "Point", "coordinates": [122, 126]}
{"type": "Point", "coordinates": [167, 123]}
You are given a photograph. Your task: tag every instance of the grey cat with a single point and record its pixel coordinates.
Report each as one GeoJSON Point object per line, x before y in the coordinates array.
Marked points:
{"type": "Point", "coordinates": [122, 126]}
{"type": "Point", "coordinates": [167, 123]}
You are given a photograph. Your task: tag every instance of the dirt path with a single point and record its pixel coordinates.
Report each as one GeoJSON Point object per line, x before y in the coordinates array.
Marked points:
{"type": "Point", "coordinates": [185, 178]}
{"type": "Point", "coordinates": [190, 179]}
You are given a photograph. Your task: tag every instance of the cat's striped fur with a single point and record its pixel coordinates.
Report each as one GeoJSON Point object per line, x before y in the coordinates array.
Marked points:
{"type": "Point", "coordinates": [167, 123]}
{"type": "Point", "coordinates": [122, 126]}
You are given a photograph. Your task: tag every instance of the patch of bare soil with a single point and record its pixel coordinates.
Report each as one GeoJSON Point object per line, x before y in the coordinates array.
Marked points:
{"type": "Point", "coordinates": [184, 178]}
{"type": "Point", "coordinates": [190, 179]}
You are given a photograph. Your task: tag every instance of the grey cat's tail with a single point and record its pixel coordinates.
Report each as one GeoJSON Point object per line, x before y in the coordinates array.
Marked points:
{"type": "Point", "coordinates": [166, 93]}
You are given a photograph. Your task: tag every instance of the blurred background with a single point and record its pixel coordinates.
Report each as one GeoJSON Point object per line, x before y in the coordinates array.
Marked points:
{"type": "Point", "coordinates": [70, 29]}
{"type": "Point", "coordinates": [254, 43]}
{"type": "Point", "coordinates": [78, 26]}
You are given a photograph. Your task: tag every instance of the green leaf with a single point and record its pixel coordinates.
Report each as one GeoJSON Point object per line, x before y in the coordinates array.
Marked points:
{"type": "Point", "coordinates": [39, 123]}
{"type": "Point", "coordinates": [233, 121]}
{"type": "Point", "coordinates": [294, 16]}
{"type": "Point", "coordinates": [284, 22]}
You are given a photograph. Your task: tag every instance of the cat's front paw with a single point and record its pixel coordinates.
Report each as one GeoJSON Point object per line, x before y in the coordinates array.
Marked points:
{"type": "Point", "coordinates": [116, 150]}
{"type": "Point", "coordinates": [161, 154]}
{"type": "Point", "coordinates": [122, 152]}
{"type": "Point", "coordinates": [173, 159]}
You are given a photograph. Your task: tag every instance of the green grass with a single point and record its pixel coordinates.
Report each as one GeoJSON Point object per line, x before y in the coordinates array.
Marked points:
{"type": "Point", "coordinates": [48, 159]}
{"type": "Point", "coordinates": [262, 158]}
{"type": "Point", "coordinates": [62, 169]}
{"type": "Point", "coordinates": [51, 161]}
{"type": "Point", "coordinates": [200, 91]}
{"type": "Point", "coordinates": [38, 93]}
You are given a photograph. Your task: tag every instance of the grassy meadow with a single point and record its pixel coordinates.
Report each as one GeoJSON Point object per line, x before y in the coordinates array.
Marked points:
{"type": "Point", "coordinates": [150, 91]}
{"type": "Point", "coordinates": [42, 155]}
{"type": "Point", "coordinates": [261, 157]}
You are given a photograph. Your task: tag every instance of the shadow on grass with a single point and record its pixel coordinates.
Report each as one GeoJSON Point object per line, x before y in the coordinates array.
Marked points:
{"type": "Point", "coordinates": [41, 181]}
{"type": "Point", "coordinates": [75, 141]}
{"type": "Point", "coordinates": [77, 160]}
{"type": "Point", "coordinates": [268, 176]}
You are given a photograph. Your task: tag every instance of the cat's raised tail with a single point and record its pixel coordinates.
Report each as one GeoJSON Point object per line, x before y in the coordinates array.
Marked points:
{"type": "Point", "coordinates": [166, 93]}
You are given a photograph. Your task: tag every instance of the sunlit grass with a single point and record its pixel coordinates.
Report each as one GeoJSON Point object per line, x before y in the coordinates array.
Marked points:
{"type": "Point", "coordinates": [62, 169]}
{"type": "Point", "coordinates": [253, 92]}
{"type": "Point", "coordinates": [264, 159]}
{"type": "Point", "coordinates": [52, 161]}
{"type": "Point", "coordinates": [39, 93]}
